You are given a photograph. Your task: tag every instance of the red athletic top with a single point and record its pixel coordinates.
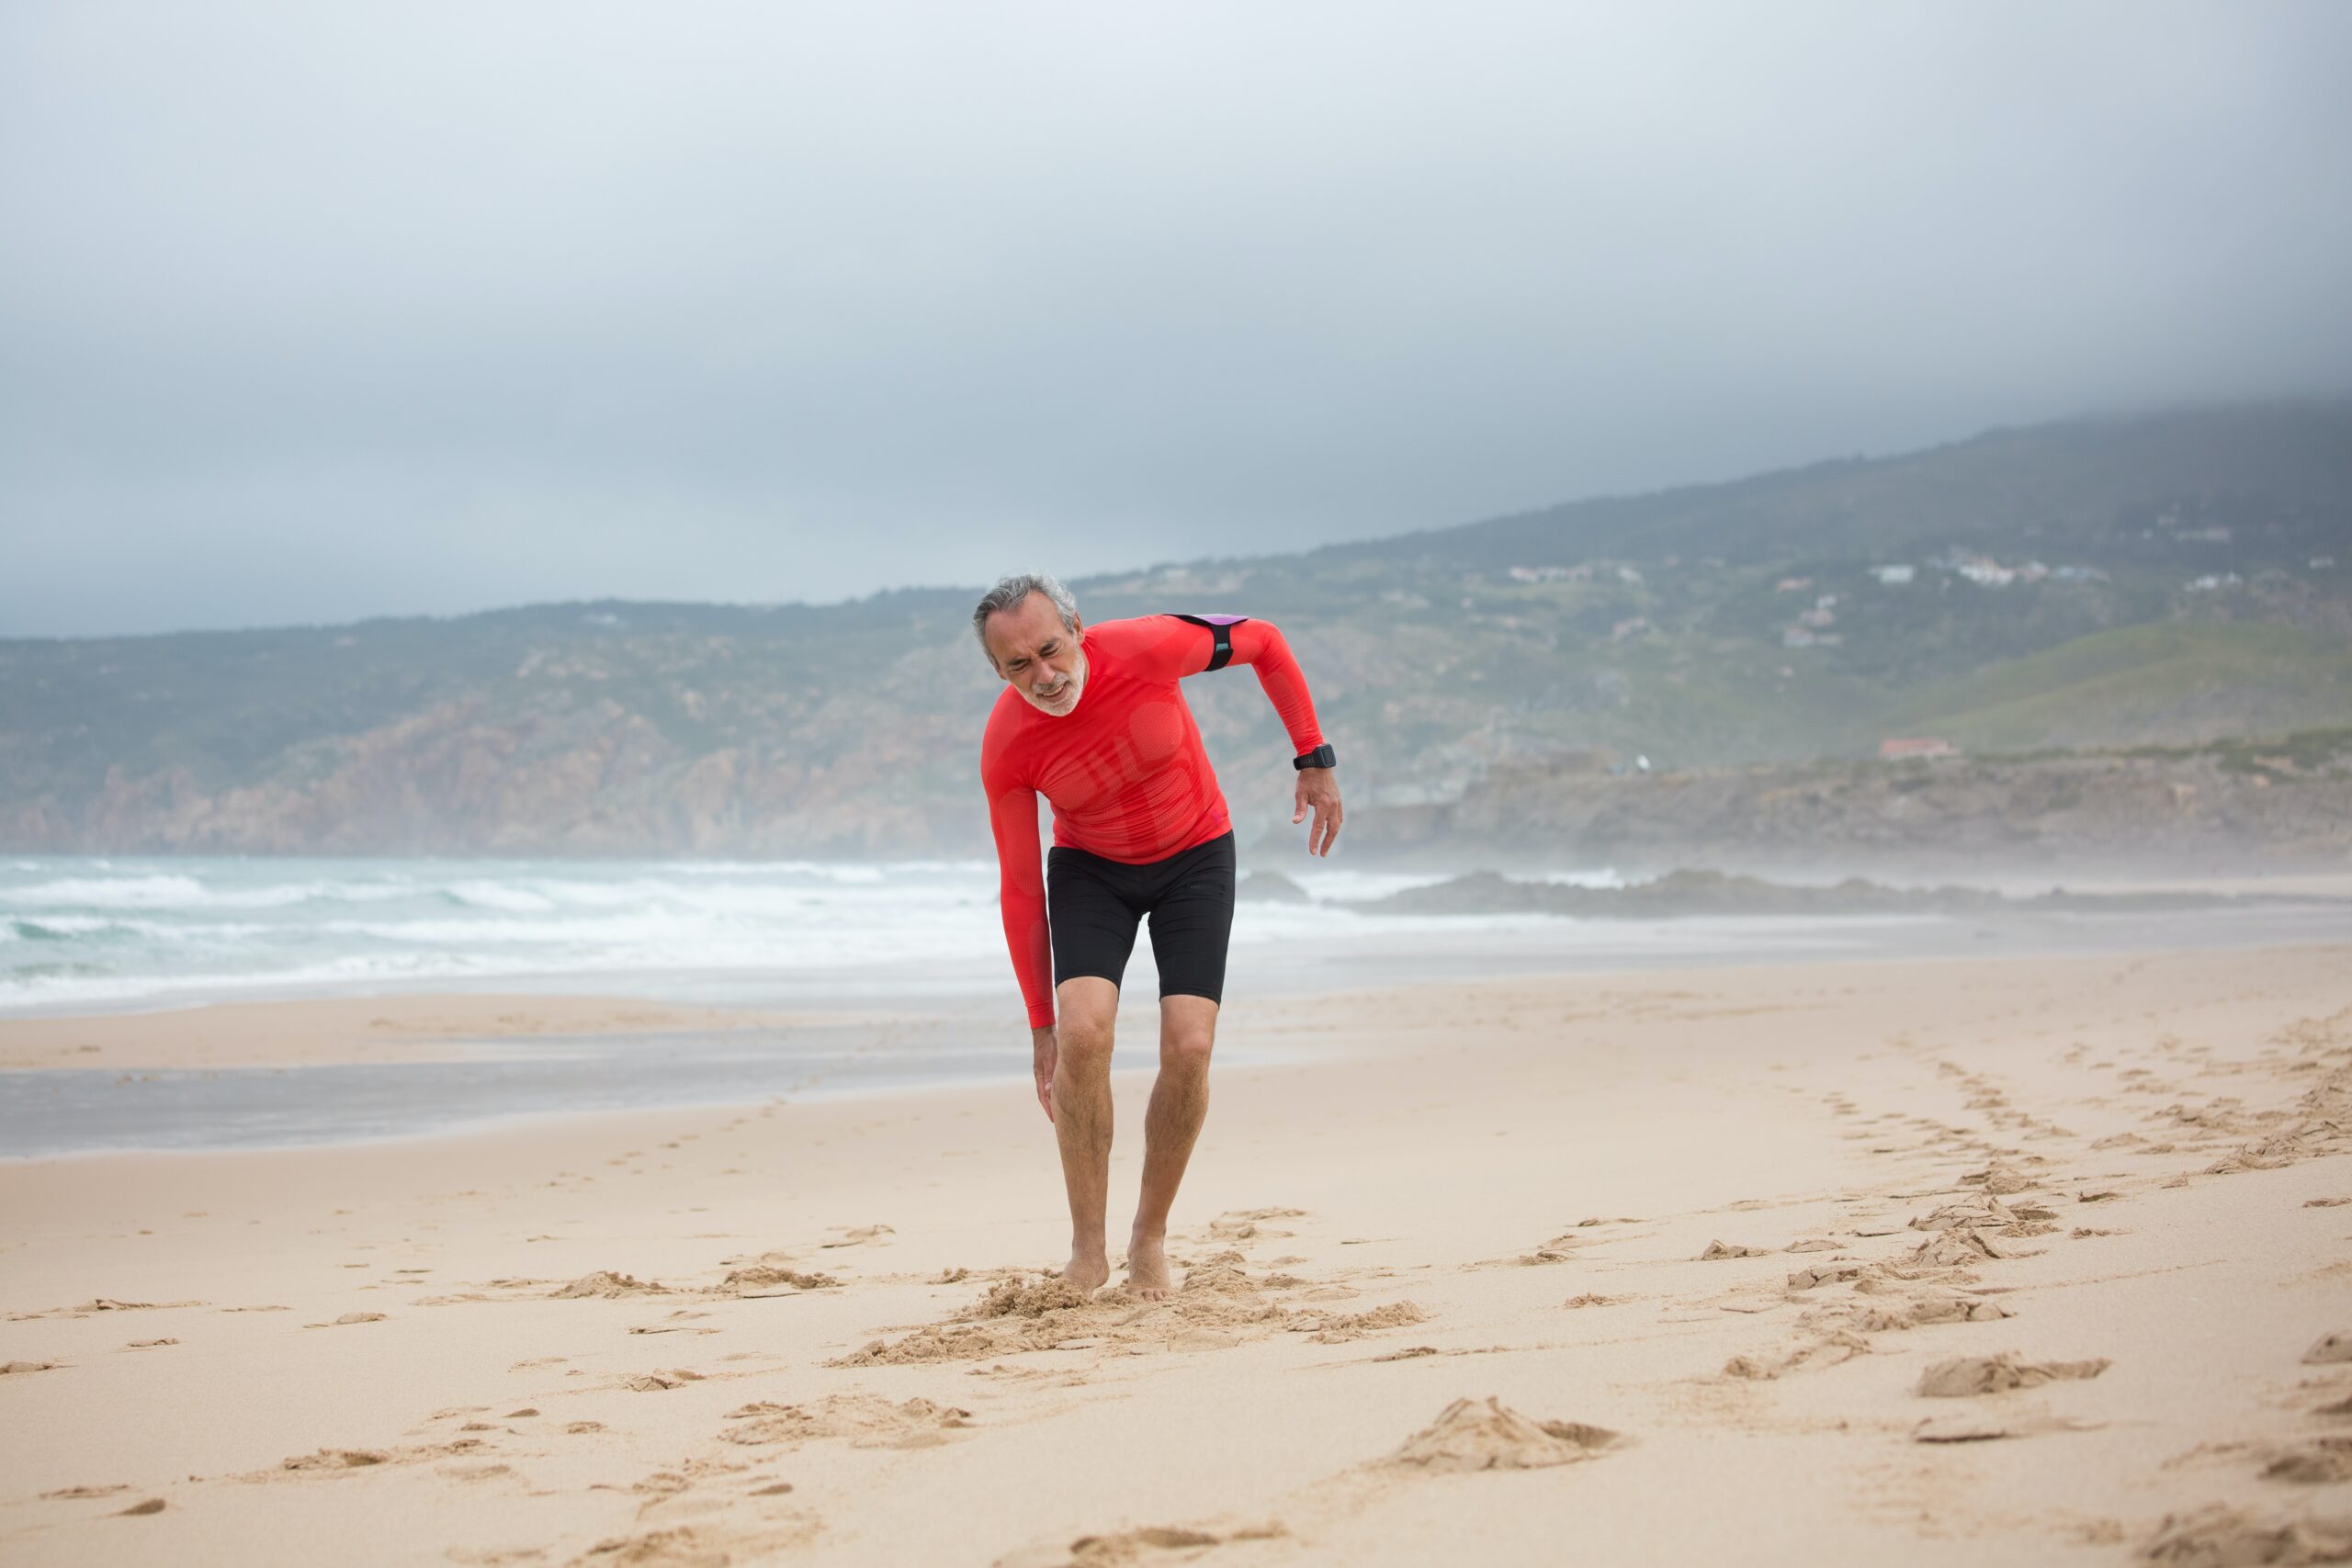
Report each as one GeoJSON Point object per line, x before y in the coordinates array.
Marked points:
{"type": "Point", "coordinates": [1124, 770]}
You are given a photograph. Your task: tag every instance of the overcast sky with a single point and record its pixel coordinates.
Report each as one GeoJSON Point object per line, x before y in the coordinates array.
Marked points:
{"type": "Point", "coordinates": [311, 311]}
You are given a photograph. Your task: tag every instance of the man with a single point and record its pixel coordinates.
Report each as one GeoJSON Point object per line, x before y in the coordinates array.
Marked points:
{"type": "Point", "coordinates": [1096, 723]}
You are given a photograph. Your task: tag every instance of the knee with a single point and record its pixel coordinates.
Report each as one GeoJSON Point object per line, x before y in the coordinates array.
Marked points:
{"type": "Point", "coordinates": [1187, 1049]}
{"type": "Point", "coordinates": [1085, 1045]}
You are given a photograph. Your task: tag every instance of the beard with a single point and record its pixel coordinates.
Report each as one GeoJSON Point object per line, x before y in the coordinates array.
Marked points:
{"type": "Point", "coordinates": [1065, 697]}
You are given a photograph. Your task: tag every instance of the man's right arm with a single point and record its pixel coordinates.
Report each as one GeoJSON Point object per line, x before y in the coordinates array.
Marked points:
{"type": "Point", "coordinates": [1020, 893]}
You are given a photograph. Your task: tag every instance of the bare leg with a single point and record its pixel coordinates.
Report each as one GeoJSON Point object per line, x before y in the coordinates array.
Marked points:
{"type": "Point", "coordinates": [1179, 1103]}
{"type": "Point", "coordinates": [1089, 1009]}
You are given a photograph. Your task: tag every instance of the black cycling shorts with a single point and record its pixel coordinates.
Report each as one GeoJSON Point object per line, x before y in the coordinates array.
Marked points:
{"type": "Point", "coordinates": [1094, 905]}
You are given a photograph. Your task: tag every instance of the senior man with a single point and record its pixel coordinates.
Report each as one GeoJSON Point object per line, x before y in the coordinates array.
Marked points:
{"type": "Point", "coordinates": [1096, 722]}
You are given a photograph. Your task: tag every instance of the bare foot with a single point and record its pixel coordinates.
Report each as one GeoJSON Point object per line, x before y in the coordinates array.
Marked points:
{"type": "Point", "coordinates": [1086, 1272]}
{"type": "Point", "coordinates": [1147, 1267]}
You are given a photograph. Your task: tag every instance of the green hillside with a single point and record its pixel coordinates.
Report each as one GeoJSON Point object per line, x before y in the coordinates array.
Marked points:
{"type": "Point", "coordinates": [2166, 681]}
{"type": "Point", "coordinates": [2172, 580]}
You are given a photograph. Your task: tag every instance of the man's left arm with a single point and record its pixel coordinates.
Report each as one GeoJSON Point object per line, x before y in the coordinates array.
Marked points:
{"type": "Point", "coordinates": [1236, 639]}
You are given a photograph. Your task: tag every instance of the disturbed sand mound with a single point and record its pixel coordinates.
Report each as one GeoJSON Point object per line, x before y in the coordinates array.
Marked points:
{"type": "Point", "coordinates": [761, 1279]}
{"type": "Point", "coordinates": [1471, 1435]}
{"type": "Point", "coordinates": [2220, 1537]}
{"type": "Point", "coordinates": [862, 1418]}
{"type": "Point", "coordinates": [607, 1285]}
{"type": "Point", "coordinates": [1967, 1375]}
{"type": "Point", "coordinates": [1218, 1304]}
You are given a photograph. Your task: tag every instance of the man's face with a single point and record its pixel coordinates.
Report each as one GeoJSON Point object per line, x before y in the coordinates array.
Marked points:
{"type": "Point", "coordinates": [1042, 658]}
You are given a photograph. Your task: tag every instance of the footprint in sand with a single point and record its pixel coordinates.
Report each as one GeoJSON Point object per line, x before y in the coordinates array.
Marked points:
{"type": "Point", "coordinates": [1219, 1305]}
{"type": "Point", "coordinates": [108, 1303]}
{"type": "Point", "coordinates": [1337, 1328]}
{"type": "Point", "coordinates": [349, 1318]}
{"type": "Point", "coordinates": [1248, 1224]}
{"type": "Point", "coordinates": [762, 1281]}
{"type": "Point", "coordinates": [68, 1494]}
{"type": "Point", "coordinates": [2319, 1462]}
{"type": "Point", "coordinates": [864, 1419]}
{"type": "Point", "coordinates": [330, 1461]}
{"type": "Point", "coordinates": [1965, 1376]}
{"type": "Point", "coordinates": [710, 1544]}
{"type": "Point", "coordinates": [2336, 1347]}
{"type": "Point", "coordinates": [24, 1368]}
{"type": "Point", "coordinates": [656, 1382]}
{"type": "Point", "coordinates": [1717, 1250]}
{"type": "Point", "coordinates": [861, 1236]}
{"type": "Point", "coordinates": [1828, 1350]}
{"type": "Point", "coordinates": [1981, 1429]}
{"type": "Point", "coordinates": [1135, 1546]}
{"type": "Point", "coordinates": [2220, 1535]}
{"type": "Point", "coordinates": [607, 1285]}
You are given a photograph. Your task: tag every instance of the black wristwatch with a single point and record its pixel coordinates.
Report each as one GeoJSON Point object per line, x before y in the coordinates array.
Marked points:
{"type": "Point", "coordinates": [1321, 757]}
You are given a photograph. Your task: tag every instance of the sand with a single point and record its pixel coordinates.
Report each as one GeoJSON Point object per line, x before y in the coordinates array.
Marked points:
{"type": "Point", "coordinates": [1935, 1262]}
{"type": "Point", "coordinates": [341, 1030]}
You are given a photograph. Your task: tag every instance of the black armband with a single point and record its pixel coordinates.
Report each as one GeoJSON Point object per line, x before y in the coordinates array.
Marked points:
{"type": "Point", "coordinates": [1221, 629]}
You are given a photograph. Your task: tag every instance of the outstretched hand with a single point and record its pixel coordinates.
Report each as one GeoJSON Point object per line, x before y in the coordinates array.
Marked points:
{"type": "Point", "coordinates": [1318, 791]}
{"type": "Point", "coordinates": [1045, 1047]}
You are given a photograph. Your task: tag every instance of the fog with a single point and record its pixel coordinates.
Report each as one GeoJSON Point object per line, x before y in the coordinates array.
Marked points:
{"type": "Point", "coordinates": [310, 314]}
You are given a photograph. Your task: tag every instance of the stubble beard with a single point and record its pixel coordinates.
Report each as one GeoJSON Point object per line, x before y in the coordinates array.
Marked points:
{"type": "Point", "coordinates": [1067, 699]}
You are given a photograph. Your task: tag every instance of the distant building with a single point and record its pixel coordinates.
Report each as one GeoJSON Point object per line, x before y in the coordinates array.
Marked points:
{"type": "Point", "coordinates": [2320, 563]}
{"type": "Point", "coordinates": [2212, 581]}
{"type": "Point", "coordinates": [1796, 637]}
{"type": "Point", "coordinates": [1792, 585]}
{"type": "Point", "coordinates": [1923, 746]}
{"type": "Point", "coordinates": [1893, 576]}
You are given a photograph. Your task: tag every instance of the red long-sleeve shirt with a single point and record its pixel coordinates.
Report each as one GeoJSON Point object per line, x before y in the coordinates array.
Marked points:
{"type": "Point", "coordinates": [1124, 771]}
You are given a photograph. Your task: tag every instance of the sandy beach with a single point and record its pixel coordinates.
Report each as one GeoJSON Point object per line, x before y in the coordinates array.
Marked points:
{"type": "Point", "coordinates": [1948, 1261]}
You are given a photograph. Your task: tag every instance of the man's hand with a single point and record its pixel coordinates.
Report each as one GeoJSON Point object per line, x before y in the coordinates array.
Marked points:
{"type": "Point", "coordinates": [1045, 1046]}
{"type": "Point", "coordinates": [1319, 792]}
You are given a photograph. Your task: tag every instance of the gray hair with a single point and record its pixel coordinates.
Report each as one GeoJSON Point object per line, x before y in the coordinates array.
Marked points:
{"type": "Point", "coordinates": [1010, 591]}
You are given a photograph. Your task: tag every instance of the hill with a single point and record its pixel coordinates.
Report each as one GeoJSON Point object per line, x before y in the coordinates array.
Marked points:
{"type": "Point", "coordinates": [2100, 583]}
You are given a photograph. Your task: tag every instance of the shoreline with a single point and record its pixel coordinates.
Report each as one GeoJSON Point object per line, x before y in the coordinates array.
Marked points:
{"type": "Point", "coordinates": [288, 1032]}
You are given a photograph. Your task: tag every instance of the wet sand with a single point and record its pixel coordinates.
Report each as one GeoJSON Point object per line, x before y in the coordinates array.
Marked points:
{"type": "Point", "coordinates": [1954, 1261]}
{"type": "Point", "coordinates": [344, 1030]}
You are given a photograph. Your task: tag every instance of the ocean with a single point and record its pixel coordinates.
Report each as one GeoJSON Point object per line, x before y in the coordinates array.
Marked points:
{"type": "Point", "coordinates": [86, 934]}
{"type": "Point", "coordinates": [904, 964]}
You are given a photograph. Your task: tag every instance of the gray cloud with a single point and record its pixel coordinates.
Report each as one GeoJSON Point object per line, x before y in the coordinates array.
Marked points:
{"type": "Point", "coordinates": [308, 312]}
